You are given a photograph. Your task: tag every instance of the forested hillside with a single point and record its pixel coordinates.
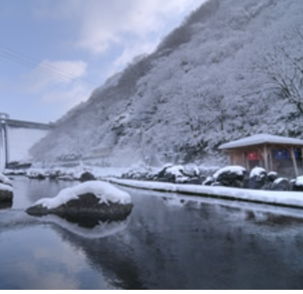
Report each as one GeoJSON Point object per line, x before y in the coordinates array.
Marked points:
{"type": "Point", "coordinates": [232, 69]}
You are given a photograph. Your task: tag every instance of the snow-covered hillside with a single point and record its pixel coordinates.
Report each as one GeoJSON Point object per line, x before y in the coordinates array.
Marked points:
{"type": "Point", "coordinates": [233, 69]}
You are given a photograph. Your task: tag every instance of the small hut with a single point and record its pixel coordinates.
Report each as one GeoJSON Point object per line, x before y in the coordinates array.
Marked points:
{"type": "Point", "coordinates": [271, 152]}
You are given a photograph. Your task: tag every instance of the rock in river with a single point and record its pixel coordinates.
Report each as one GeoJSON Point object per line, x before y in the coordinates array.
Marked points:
{"type": "Point", "coordinates": [92, 200]}
{"type": "Point", "coordinates": [6, 193]}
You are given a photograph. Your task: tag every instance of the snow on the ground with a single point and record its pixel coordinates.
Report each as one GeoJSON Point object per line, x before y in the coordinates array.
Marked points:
{"type": "Point", "coordinates": [5, 180]}
{"type": "Point", "coordinates": [102, 190]}
{"type": "Point", "coordinates": [239, 170]}
{"type": "Point", "coordinates": [270, 197]}
{"type": "Point", "coordinates": [257, 172]}
{"type": "Point", "coordinates": [4, 187]}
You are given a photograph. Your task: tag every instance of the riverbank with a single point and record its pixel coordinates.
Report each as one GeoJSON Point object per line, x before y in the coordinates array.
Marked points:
{"type": "Point", "coordinates": [277, 198]}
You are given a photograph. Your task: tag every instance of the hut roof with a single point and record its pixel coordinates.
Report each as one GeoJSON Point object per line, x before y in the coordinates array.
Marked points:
{"type": "Point", "coordinates": [262, 139]}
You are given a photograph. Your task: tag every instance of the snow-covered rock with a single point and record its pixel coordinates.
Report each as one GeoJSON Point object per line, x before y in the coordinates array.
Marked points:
{"type": "Point", "coordinates": [36, 173]}
{"type": "Point", "coordinates": [258, 179]}
{"type": "Point", "coordinates": [298, 184]}
{"type": "Point", "coordinates": [175, 174]}
{"type": "Point", "coordinates": [6, 193]}
{"type": "Point", "coordinates": [6, 190]}
{"type": "Point", "coordinates": [92, 199]}
{"type": "Point", "coordinates": [299, 181]}
{"type": "Point", "coordinates": [272, 176]}
{"type": "Point", "coordinates": [208, 181]}
{"type": "Point", "coordinates": [281, 184]}
{"type": "Point", "coordinates": [257, 172]}
{"type": "Point", "coordinates": [5, 180]}
{"type": "Point", "coordinates": [168, 173]}
{"type": "Point", "coordinates": [230, 176]}
{"type": "Point", "coordinates": [233, 169]}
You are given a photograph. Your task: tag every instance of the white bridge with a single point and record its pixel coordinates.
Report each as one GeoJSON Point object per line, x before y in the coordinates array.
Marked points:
{"type": "Point", "coordinates": [17, 137]}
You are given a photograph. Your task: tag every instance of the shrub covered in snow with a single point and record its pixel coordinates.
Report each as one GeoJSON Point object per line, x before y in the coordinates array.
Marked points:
{"type": "Point", "coordinates": [258, 172]}
{"type": "Point", "coordinates": [258, 179]}
{"type": "Point", "coordinates": [208, 181]}
{"type": "Point", "coordinates": [231, 176]}
{"type": "Point", "coordinates": [272, 176]}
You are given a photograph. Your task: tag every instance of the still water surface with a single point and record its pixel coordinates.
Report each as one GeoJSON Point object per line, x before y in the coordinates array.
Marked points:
{"type": "Point", "coordinates": [168, 242]}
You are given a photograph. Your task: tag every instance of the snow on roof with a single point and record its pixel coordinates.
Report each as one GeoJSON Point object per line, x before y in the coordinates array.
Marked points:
{"type": "Point", "coordinates": [102, 190]}
{"type": "Point", "coordinates": [261, 139]}
{"type": "Point", "coordinates": [239, 170]}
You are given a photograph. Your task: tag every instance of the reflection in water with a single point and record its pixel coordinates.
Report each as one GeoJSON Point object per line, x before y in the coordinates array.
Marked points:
{"type": "Point", "coordinates": [101, 230]}
{"type": "Point", "coordinates": [169, 242]}
{"type": "Point", "coordinates": [36, 258]}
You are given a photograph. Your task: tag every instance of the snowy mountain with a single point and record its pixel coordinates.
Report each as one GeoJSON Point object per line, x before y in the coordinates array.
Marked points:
{"type": "Point", "coordinates": [232, 69]}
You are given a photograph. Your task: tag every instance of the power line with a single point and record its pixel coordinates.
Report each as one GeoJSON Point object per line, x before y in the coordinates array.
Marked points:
{"type": "Point", "coordinates": [30, 64]}
{"type": "Point", "coordinates": [25, 60]}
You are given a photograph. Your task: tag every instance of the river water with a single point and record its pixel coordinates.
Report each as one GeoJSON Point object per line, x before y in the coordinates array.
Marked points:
{"type": "Point", "coordinates": [168, 242]}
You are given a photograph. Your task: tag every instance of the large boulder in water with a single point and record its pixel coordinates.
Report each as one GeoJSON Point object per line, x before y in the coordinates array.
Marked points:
{"type": "Point", "coordinates": [92, 200]}
{"type": "Point", "coordinates": [6, 193]}
{"type": "Point", "coordinates": [6, 190]}
{"type": "Point", "coordinates": [5, 180]}
{"type": "Point", "coordinates": [230, 176]}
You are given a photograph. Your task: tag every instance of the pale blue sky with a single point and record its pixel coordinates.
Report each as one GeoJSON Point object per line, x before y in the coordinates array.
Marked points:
{"type": "Point", "coordinates": [53, 53]}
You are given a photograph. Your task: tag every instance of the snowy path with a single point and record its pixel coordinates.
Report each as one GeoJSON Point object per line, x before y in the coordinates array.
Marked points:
{"type": "Point", "coordinates": [289, 199]}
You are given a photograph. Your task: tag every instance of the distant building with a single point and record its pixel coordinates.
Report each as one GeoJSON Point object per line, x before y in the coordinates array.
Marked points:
{"type": "Point", "coordinates": [17, 137]}
{"type": "Point", "coordinates": [268, 151]}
